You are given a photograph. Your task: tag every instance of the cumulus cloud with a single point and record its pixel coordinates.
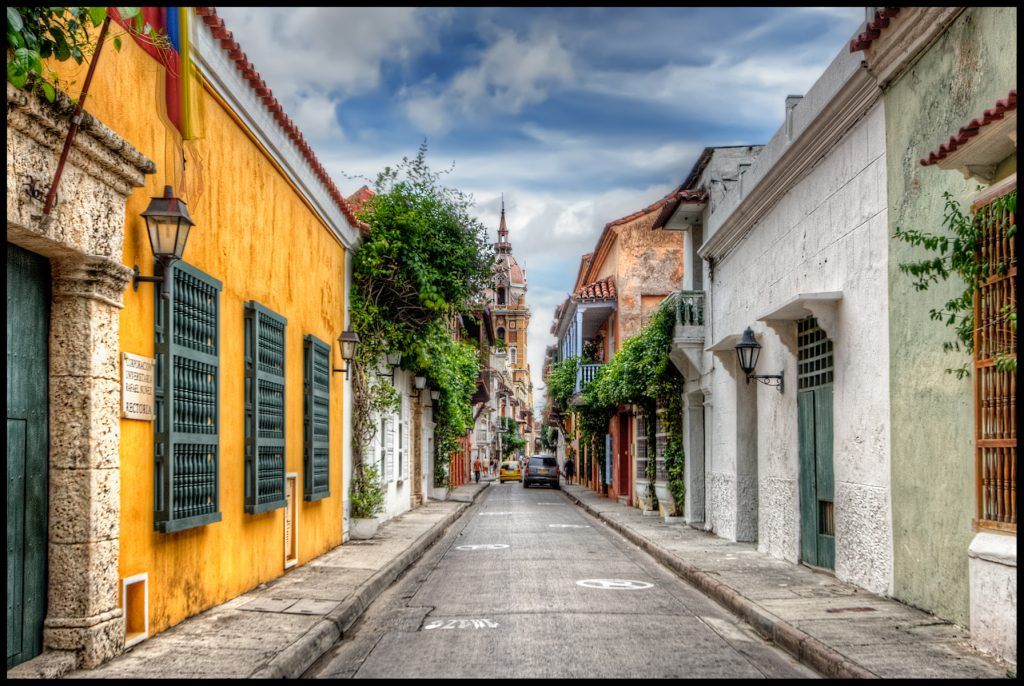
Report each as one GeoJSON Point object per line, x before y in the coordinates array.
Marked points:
{"type": "Point", "coordinates": [510, 75]}
{"type": "Point", "coordinates": [314, 58]}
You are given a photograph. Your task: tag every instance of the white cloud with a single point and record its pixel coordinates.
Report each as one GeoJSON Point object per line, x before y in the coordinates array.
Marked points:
{"type": "Point", "coordinates": [510, 75]}
{"type": "Point", "coordinates": [314, 58]}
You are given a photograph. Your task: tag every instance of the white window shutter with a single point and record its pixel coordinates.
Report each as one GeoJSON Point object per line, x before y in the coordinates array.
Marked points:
{"type": "Point", "coordinates": [406, 443]}
{"type": "Point", "coordinates": [391, 450]}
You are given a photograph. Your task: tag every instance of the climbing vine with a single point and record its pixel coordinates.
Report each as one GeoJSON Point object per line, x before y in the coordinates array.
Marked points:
{"type": "Point", "coordinates": [958, 252]}
{"type": "Point", "coordinates": [424, 261]}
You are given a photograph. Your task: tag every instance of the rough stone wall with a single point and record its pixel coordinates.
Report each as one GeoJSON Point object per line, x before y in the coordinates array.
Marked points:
{"type": "Point", "coordinates": [966, 70]}
{"type": "Point", "coordinates": [649, 263]}
{"type": "Point", "coordinates": [827, 233]}
{"type": "Point", "coordinates": [83, 238]}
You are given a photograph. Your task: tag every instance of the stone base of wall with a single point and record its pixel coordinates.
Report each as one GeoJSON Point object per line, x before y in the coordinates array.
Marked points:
{"type": "Point", "coordinates": [863, 536]}
{"type": "Point", "coordinates": [992, 559]}
{"type": "Point", "coordinates": [778, 524]}
{"type": "Point", "coordinates": [721, 510]}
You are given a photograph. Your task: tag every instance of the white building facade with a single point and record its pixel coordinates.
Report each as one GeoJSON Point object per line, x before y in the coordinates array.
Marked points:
{"type": "Point", "coordinates": [795, 248]}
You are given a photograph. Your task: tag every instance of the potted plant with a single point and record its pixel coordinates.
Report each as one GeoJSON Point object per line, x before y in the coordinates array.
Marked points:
{"type": "Point", "coordinates": [367, 498]}
{"type": "Point", "coordinates": [440, 480]}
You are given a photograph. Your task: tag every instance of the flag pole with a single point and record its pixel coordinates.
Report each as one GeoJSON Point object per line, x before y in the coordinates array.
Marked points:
{"type": "Point", "coordinates": [76, 119]}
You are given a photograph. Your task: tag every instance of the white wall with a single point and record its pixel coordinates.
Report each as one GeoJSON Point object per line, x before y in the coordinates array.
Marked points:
{"type": "Point", "coordinates": [828, 232]}
{"type": "Point", "coordinates": [397, 485]}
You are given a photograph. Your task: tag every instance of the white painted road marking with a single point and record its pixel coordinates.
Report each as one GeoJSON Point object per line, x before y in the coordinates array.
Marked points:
{"type": "Point", "coordinates": [569, 526]}
{"type": "Point", "coordinates": [481, 546]}
{"type": "Point", "coordinates": [486, 514]}
{"type": "Point", "coordinates": [461, 624]}
{"type": "Point", "coordinates": [614, 584]}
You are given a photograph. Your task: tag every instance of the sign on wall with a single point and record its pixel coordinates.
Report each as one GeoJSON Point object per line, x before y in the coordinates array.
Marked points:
{"type": "Point", "coordinates": [137, 379]}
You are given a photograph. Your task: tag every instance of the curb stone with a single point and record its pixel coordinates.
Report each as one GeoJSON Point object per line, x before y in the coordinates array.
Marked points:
{"type": "Point", "coordinates": [294, 660]}
{"type": "Point", "coordinates": [797, 643]}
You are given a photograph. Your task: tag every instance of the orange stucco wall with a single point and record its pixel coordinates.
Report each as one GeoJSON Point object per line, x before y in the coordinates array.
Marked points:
{"type": "Point", "coordinates": [257, 235]}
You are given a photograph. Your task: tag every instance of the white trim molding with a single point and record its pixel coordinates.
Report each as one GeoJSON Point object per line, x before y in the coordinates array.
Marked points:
{"type": "Point", "coordinates": [837, 101]}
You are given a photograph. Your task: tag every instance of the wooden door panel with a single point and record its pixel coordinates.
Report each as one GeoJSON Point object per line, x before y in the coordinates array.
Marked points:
{"type": "Point", "coordinates": [28, 298]}
{"type": "Point", "coordinates": [825, 479]}
{"type": "Point", "coordinates": [807, 478]}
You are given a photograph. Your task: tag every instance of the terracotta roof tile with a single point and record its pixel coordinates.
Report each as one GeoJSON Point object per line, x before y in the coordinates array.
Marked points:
{"type": "Point", "coordinates": [971, 129]}
{"type": "Point", "coordinates": [602, 289]}
{"type": "Point", "coordinates": [234, 51]}
{"type": "Point", "coordinates": [874, 28]}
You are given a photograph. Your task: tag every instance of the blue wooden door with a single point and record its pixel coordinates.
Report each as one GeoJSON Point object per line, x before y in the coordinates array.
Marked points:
{"type": "Point", "coordinates": [28, 299]}
{"type": "Point", "coordinates": [814, 418]}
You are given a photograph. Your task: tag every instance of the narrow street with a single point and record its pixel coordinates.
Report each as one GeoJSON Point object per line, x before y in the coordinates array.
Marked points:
{"type": "Point", "coordinates": [534, 607]}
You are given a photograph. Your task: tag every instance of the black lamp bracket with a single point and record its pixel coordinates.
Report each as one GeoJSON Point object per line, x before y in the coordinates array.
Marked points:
{"type": "Point", "coordinates": [768, 379]}
{"type": "Point", "coordinates": [347, 368]}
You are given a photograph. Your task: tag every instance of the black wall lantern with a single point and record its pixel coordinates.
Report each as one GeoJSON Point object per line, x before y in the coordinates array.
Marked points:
{"type": "Point", "coordinates": [419, 383]}
{"type": "Point", "coordinates": [347, 341]}
{"type": "Point", "coordinates": [747, 351]}
{"type": "Point", "coordinates": [393, 360]}
{"type": "Point", "coordinates": [168, 226]}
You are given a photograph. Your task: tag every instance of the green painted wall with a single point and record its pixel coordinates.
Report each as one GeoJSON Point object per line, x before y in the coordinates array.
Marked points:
{"type": "Point", "coordinates": [962, 74]}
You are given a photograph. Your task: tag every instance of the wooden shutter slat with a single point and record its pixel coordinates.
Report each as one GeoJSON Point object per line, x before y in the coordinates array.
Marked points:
{"type": "Point", "coordinates": [265, 409]}
{"type": "Point", "coordinates": [188, 375]}
{"type": "Point", "coordinates": [316, 408]}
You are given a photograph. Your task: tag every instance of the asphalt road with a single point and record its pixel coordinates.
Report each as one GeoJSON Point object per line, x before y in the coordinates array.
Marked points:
{"type": "Point", "coordinates": [526, 584]}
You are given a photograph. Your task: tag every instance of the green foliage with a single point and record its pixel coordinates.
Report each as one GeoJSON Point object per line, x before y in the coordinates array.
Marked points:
{"type": "Point", "coordinates": [452, 368]}
{"type": "Point", "coordinates": [959, 253]}
{"type": "Point", "coordinates": [366, 493]}
{"type": "Point", "coordinates": [511, 441]}
{"type": "Point", "coordinates": [549, 438]}
{"type": "Point", "coordinates": [425, 261]}
{"type": "Point", "coordinates": [35, 34]}
{"type": "Point", "coordinates": [640, 369]}
{"type": "Point", "coordinates": [561, 382]}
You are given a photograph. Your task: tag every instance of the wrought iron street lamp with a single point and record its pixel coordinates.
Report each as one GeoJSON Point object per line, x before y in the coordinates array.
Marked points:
{"type": "Point", "coordinates": [168, 226]}
{"type": "Point", "coordinates": [393, 359]}
{"type": "Point", "coordinates": [347, 341]}
{"type": "Point", "coordinates": [434, 394]}
{"type": "Point", "coordinates": [747, 351]}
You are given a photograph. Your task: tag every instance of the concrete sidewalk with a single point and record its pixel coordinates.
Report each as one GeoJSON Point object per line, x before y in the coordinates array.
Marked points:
{"type": "Point", "coordinates": [280, 628]}
{"type": "Point", "coordinates": [835, 627]}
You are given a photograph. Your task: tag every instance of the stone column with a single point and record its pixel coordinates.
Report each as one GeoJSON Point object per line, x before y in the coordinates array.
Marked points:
{"type": "Point", "coordinates": [84, 510]}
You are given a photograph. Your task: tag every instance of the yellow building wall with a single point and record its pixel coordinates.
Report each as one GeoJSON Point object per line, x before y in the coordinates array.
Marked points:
{"type": "Point", "coordinates": [255, 233]}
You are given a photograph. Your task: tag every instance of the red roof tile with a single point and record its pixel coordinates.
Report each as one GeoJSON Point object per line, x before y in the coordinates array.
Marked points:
{"type": "Point", "coordinates": [602, 289]}
{"type": "Point", "coordinates": [970, 130]}
{"type": "Point", "coordinates": [234, 51]}
{"type": "Point", "coordinates": [874, 28]}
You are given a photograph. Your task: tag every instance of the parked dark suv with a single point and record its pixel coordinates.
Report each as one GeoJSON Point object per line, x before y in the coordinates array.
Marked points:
{"type": "Point", "coordinates": [543, 469]}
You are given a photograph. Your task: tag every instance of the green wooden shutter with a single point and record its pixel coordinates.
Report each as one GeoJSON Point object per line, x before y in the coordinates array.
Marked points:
{"type": "Point", "coordinates": [316, 408]}
{"type": "Point", "coordinates": [188, 384]}
{"type": "Point", "coordinates": [264, 409]}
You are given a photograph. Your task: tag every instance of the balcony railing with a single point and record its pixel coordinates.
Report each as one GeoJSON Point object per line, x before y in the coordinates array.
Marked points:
{"type": "Point", "coordinates": [585, 375]}
{"type": "Point", "coordinates": [689, 306]}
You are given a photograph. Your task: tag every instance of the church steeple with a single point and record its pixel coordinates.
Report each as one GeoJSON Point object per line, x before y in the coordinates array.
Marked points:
{"type": "Point", "coordinates": [503, 245]}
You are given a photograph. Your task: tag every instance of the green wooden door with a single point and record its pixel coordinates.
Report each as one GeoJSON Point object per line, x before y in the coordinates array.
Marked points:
{"type": "Point", "coordinates": [814, 418]}
{"type": "Point", "coordinates": [28, 298]}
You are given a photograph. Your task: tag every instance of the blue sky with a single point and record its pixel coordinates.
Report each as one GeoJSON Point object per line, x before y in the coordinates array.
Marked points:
{"type": "Point", "coordinates": [578, 115]}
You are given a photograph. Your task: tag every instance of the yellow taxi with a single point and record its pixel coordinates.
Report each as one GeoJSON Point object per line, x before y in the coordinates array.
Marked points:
{"type": "Point", "coordinates": [510, 472]}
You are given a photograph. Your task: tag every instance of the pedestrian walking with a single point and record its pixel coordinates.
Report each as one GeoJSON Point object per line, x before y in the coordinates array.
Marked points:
{"type": "Point", "coordinates": [570, 470]}
{"type": "Point", "coordinates": [477, 466]}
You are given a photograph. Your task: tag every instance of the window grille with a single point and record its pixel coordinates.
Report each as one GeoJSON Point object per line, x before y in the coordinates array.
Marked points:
{"type": "Point", "coordinates": [390, 451]}
{"type": "Point", "coordinates": [995, 391]}
{"type": "Point", "coordinates": [814, 359]}
{"type": "Point", "coordinates": [187, 445]}
{"type": "Point", "coordinates": [641, 445]}
{"type": "Point", "coordinates": [264, 409]}
{"type": "Point", "coordinates": [317, 413]}
{"type": "Point", "coordinates": [382, 472]}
